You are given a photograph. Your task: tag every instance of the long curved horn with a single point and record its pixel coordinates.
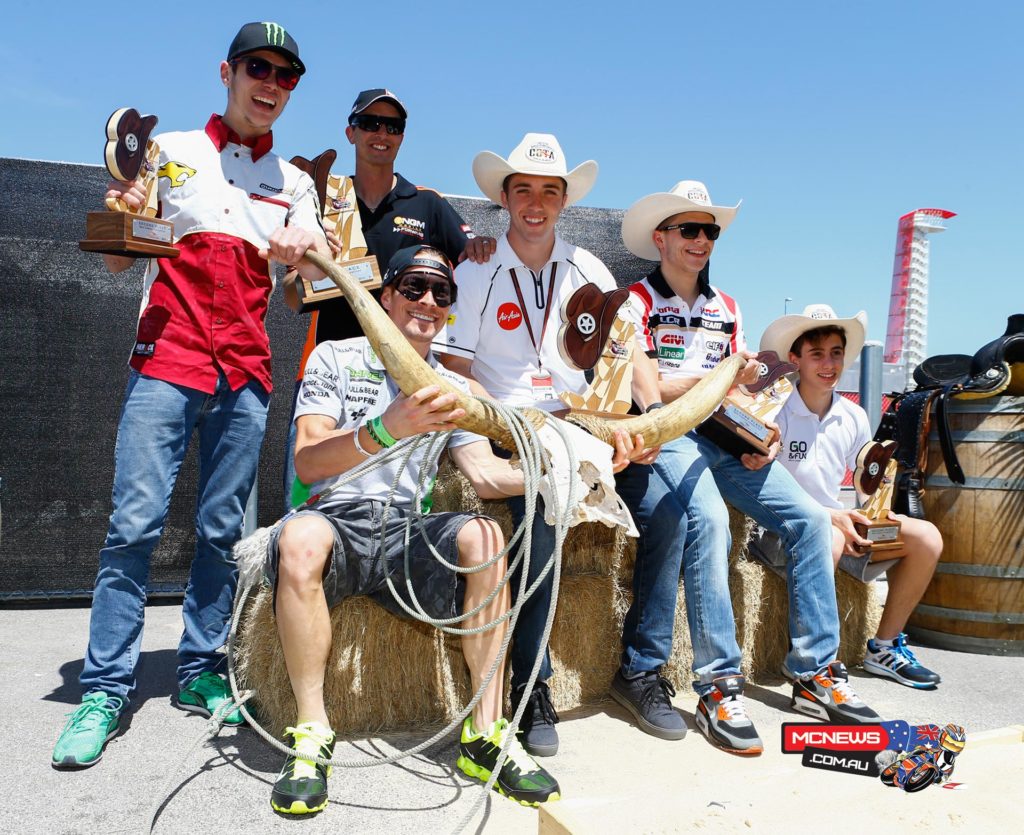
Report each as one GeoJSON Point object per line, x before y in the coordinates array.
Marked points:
{"type": "Point", "coordinates": [411, 373]}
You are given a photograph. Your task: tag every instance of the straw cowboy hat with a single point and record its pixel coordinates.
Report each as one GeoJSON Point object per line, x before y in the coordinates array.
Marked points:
{"type": "Point", "coordinates": [780, 335]}
{"type": "Point", "coordinates": [648, 212]}
{"type": "Point", "coordinates": [540, 154]}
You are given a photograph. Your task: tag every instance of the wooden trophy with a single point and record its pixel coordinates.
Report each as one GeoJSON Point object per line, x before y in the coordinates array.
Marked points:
{"type": "Point", "coordinates": [739, 425]}
{"type": "Point", "coordinates": [874, 477]}
{"type": "Point", "coordinates": [594, 336]}
{"type": "Point", "coordinates": [121, 230]}
{"type": "Point", "coordinates": [341, 216]}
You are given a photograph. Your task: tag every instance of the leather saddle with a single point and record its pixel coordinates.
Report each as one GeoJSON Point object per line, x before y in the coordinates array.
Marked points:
{"type": "Point", "coordinates": [588, 315]}
{"type": "Point", "coordinates": [997, 368]}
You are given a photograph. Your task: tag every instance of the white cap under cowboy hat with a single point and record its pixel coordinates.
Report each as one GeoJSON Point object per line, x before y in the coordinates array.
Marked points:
{"type": "Point", "coordinates": [539, 154]}
{"type": "Point", "coordinates": [780, 335]}
{"type": "Point", "coordinates": [648, 213]}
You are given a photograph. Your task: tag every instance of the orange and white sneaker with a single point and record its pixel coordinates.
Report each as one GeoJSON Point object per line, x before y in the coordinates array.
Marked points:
{"type": "Point", "coordinates": [829, 696]}
{"type": "Point", "coordinates": [723, 720]}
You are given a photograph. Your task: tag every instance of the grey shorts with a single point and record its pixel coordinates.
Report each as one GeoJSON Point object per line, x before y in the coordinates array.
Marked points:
{"type": "Point", "coordinates": [364, 556]}
{"type": "Point", "coordinates": [767, 547]}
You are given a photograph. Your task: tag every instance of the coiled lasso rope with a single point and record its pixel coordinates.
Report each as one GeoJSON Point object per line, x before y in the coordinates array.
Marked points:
{"type": "Point", "coordinates": [531, 454]}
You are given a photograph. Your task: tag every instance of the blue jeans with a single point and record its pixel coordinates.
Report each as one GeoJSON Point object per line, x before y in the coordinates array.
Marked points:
{"type": "Point", "coordinates": [678, 507]}
{"type": "Point", "coordinates": [527, 640]}
{"type": "Point", "coordinates": [156, 425]}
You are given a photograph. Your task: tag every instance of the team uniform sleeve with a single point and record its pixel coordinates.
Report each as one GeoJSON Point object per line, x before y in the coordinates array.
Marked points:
{"type": "Point", "coordinates": [638, 313]}
{"type": "Point", "coordinates": [739, 338]}
{"type": "Point", "coordinates": [305, 209]}
{"type": "Point", "coordinates": [453, 231]}
{"type": "Point", "coordinates": [461, 334]}
{"type": "Point", "coordinates": [861, 435]}
{"type": "Point", "coordinates": [322, 391]}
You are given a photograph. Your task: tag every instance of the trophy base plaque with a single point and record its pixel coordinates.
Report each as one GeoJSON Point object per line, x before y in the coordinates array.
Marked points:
{"type": "Point", "coordinates": [364, 270]}
{"type": "Point", "coordinates": [130, 235]}
{"type": "Point", "coordinates": [884, 536]}
{"type": "Point", "coordinates": [736, 431]}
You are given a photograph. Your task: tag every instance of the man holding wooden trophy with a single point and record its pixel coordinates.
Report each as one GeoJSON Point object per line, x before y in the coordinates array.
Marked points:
{"type": "Point", "coordinates": [200, 362]}
{"type": "Point", "coordinates": [689, 326]}
{"type": "Point", "coordinates": [823, 435]}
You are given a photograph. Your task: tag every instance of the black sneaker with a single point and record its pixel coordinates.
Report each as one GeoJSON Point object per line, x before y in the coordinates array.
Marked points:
{"type": "Point", "coordinates": [301, 787]}
{"type": "Point", "coordinates": [520, 778]}
{"type": "Point", "coordinates": [722, 719]}
{"type": "Point", "coordinates": [647, 696]}
{"type": "Point", "coordinates": [899, 663]}
{"type": "Point", "coordinates": [537, 727]}
{"type": "Point", "coordinates": [829, 696]}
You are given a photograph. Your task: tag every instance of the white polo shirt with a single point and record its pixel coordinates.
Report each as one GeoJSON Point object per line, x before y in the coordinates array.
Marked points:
{"type": "Point", "coordinates": [486, 324]}
{"type": "Point", "coordinates": [818, 452]}
{"type": "Point", "coordinates": [346, 381]}
{"type": "Point", "coordinates": [687, 342]}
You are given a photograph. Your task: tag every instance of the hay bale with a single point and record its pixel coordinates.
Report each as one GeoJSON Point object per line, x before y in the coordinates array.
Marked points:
{"type": "Point", "coordinates": [383, 673]}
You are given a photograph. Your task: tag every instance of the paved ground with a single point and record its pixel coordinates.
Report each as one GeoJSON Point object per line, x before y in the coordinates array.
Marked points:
{"type": "Point", "coordinates": [614, 778]}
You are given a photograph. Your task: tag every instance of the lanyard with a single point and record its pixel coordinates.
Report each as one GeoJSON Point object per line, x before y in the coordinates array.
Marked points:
{"type": "Point", "coordinates": [547, 309]}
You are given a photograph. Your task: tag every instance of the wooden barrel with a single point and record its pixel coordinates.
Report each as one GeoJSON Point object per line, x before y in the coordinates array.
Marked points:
{"type": "Point", "coordinates": [975, 601]}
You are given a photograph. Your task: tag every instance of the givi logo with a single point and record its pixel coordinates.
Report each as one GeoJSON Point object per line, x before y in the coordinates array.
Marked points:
{"type": "Point", "coordinates": [509, 316]}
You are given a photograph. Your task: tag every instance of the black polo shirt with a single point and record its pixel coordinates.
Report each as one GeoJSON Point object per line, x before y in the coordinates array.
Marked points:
{"type": "Point", "coordinates": [410, 215]}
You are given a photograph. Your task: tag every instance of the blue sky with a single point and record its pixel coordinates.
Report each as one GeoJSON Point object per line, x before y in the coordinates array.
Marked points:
{"type": "Point", "coordinates": [829, 120]}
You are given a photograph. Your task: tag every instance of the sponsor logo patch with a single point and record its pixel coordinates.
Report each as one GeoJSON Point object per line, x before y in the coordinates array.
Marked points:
{"type": "Point", "coordinates": [509, 316]}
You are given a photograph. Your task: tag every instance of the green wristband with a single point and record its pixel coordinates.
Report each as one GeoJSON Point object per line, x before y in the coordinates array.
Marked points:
{"type": "Point", "coordinates": [375, 427]}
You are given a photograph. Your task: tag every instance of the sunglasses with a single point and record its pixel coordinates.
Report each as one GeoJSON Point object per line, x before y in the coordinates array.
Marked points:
{"type": "Point", "coordinates": [414, 287]}
{"type": "Point", "coordinates": [691, 230]}
{"type": "Point", "coordinates": [394, 125]}
{"type": "Point", "coordinates": [261, 68]}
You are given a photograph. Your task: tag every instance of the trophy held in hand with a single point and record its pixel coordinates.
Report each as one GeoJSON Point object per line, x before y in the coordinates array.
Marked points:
{"type": "Point", "coordinates": [337, 197]}
{"type": "Point", "coordinates": [130, 155]}
{"type": "Point", "coordinates": [874, 478]}
{"type": "Point", "coordinates": [739, 425]}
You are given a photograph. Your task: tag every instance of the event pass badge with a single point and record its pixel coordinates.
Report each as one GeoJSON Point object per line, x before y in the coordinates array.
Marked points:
{"type": "Point", "coordinates": [337, 196]}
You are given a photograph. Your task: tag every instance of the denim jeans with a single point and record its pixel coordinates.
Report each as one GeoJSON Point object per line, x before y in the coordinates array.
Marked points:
{"type": "Point", "coordinates": [678, 506]}
{"type": "Point", "coordinates": [157, 420]}
{"type": "Point", "coordinates": [529, 632]}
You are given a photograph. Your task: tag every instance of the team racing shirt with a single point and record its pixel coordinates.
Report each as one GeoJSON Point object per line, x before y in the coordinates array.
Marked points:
{"type": "Point", "coordinates": [203, 312]}
{"type": "Point", "coordinates": [686, 342]}
{"type": "Point", "coordinates": [488, 323]}
{"type": "Point", "coordinates": [818, 452]}
{"type": "Point", "coordinates": [346, 382]}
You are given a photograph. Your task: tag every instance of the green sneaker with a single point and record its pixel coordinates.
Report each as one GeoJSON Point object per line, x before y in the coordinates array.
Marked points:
{"type": "Point", "coordinates": [205, 694]}
{"type": "Point", "coordinates": [520, 777]}
{"type": "Point", "coordinates": [301, 787]}
{"type": "Point", "coordinates": [87, 732]}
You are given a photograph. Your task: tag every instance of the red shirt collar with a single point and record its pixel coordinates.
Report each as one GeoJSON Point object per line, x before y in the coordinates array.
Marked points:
{"type": "Point", "coordinates": [220, 135]}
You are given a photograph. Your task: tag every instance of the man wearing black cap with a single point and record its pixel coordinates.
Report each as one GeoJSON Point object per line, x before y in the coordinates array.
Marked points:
{"type": "Point", "coordinates": [350, 410]}
{"type": "Point", "coordinates": [201, 361]}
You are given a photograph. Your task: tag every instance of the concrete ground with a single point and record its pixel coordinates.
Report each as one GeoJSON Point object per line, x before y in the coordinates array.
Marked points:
{"type": "Point", "coordinates": [614, 778]}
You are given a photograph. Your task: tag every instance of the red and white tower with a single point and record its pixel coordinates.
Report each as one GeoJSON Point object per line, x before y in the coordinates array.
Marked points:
{"type": "Point", "coordinates": [906, 339]}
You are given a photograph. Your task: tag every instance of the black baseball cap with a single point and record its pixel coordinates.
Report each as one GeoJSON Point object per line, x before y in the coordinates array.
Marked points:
{"type": "Point", "coordinates": [266, 35]}
{"type": "Point", "coordinates": [418, 258]}
{"type": "Point", "coordinates": [368, 97]}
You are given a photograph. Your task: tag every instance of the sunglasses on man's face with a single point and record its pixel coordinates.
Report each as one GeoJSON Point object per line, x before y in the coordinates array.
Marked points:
{"type": "Point", "coordinates": [261, 68]}
{"type": "Point", "coordinates": [691, 230]}
{"type": "Point", "coordinates": [371, 124]}
{"type": "Point", "coordinates": [414, 286]}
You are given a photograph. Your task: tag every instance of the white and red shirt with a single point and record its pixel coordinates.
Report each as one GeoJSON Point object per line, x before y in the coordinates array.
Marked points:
{"type": "Point", "coordinates": [488, 322]}
{"type": "Point", "coordinates": [345, 381]}
{"type": "Point", "coordinates": [687, 342]}
{"type": "Point", "coordinates": [818, 452]}
{"type": "Point", "coordinates": [203, 312]}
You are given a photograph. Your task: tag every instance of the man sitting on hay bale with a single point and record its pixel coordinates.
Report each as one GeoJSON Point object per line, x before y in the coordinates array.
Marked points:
{"type": "Point", "coordinates": [822, 436]}
{"type": "Point", "coordinates": [349, 411]}
{"type": "Point", "coordinates": [691, 327]}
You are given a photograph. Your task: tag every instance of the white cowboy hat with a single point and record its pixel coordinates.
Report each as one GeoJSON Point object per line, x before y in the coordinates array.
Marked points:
{"type": "Point", "coordinates": [647, 214]}
{"type": "Point", "coordinates": [540, 154]}
{"type": "Point", "coordinates": [780, 335]}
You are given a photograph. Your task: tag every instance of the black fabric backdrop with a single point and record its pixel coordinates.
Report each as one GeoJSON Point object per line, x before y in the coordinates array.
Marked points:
{"type": "Point", "coordinates": [66, 327]}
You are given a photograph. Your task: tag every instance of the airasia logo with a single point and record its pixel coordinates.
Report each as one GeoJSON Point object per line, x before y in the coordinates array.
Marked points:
{"type": "Point", "coordinates": [509, 316]}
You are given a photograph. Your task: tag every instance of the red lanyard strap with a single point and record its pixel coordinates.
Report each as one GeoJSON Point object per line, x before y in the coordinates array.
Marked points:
{"type": "Point", "coordinates": [547, 308]}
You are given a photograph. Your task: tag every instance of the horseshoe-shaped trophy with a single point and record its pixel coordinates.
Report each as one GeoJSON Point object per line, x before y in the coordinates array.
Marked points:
{"type": "Point", "coordinates": [739, 425]}
{"type": "Point", "coordinates": [337, 197]}
{"type": "Point", "coordinates": [874, 478]}
{"type": "Point", "coordinates": [130, 155]}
